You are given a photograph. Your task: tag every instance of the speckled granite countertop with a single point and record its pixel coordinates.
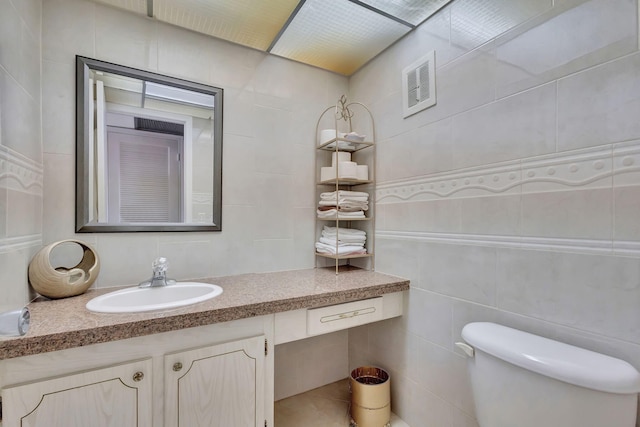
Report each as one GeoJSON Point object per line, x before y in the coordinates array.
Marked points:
{"type": "Point", "coordinates": [66, 323]}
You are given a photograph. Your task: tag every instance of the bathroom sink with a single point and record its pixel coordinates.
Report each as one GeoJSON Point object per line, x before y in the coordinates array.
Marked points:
{"type": "Point", "coordinates": [137, 299]}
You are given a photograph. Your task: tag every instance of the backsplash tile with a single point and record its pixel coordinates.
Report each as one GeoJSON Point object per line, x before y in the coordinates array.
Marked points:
{"type": "Point", "coordinates": [59, 208]}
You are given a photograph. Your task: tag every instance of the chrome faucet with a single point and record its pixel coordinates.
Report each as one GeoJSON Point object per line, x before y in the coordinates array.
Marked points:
{"type": "Point", "coordinates": [159, 277]}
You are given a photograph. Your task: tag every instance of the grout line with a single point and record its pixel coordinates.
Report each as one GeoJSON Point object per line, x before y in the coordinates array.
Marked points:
{"type": "Point", "coordinates": [613, 200]}
{"type": "Point", "coordinates": [557, 120]}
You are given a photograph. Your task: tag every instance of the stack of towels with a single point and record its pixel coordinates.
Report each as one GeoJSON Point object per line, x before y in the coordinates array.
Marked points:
{"type": "Point", "coordinates": [345, 204]}
{"type": "Point", "coordinates": [341, 241]}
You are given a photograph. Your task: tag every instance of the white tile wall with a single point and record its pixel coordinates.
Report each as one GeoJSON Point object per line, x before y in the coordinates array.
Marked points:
{"type": "Point", "coordinates": [599, 105]}
{"type": "Point", "coordinates": [526, 212]}
{"type": "Point", "coordinates": [434, 138]}
{"type": "Point", "coordinates": [530, 242]}
{"type": "Point", "coordinates": [307, 364]}
{"type": "Point", "coordinates": [519, 126]}
{"type": "Point", "coordinates": [58, 107]}
{"type": "Point", "coordinates": [271, 105]}
{"type": "Point", "coordinates": [565, 39]}
{"type": "Point", "coordinates": [126, 39]}
{"type": "Point", "coordinates": [626, 207]}
{"type": "Point", "coordinates": [21, 169]}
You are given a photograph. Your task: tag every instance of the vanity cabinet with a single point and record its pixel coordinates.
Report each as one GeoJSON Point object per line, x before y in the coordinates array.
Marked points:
{"type": "Point", "coordinates": [345, 174]}
{"type": "Point", "coordinates": [215, 375]}
{"type": "Point", "coordinates": [216, 386]}
{"type": "Point", "coordinates": [220, 374]}
{"type": "Point", "coordinates": [118, 396]}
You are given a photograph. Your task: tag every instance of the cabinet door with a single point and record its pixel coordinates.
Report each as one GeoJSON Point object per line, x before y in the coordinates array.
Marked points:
{"type": "Point", "coordinates": [118, 396]}
{"type": "Point", "coordinates": [216, 386]}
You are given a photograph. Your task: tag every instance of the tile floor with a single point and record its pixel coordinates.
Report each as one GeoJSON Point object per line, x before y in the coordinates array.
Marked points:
{"type": "Point", "coordinates": [327, 406]}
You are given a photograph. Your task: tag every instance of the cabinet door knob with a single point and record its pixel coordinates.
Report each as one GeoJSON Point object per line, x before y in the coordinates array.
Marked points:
{"type": "Point", "coordinates": [138, 376]}
{"type": "Point", "coordinates": [177, 366]}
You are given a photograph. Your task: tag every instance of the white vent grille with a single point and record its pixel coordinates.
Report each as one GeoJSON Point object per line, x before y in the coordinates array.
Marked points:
{"type": "Point", "coordinates": [419, 85]}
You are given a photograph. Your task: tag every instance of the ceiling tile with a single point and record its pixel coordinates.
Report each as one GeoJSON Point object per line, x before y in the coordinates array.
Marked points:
{"type": "Point", "coordinates": [247, 22]}
{"type": "Point", "coordinates": [474, 22]}
{"type": "Point", "coordinates": [337, 35]}
{"type": "Point", "coordinates": [411, 11]}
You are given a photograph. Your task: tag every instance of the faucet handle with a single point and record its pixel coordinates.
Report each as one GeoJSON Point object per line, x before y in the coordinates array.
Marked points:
{"type": "Point", "coordinates": [159, 265]}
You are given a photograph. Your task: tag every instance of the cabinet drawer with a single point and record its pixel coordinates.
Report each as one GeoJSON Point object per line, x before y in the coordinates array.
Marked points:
{"type": "Point", "coordinates": [341, 316]}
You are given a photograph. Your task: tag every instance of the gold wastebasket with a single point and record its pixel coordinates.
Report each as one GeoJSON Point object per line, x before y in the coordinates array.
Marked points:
{"type": "Point", "coordinates": [370, 397]}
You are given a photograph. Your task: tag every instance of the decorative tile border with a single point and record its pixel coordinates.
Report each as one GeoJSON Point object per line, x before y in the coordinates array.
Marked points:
{"type": "Point", "coordinates": [15, 244]}
{"type": "Point", "coordinates": [596, 167]}
{"type": "Point", "coordinates": [586, 246]}
{"type": "Point", "coordinates": [20, 173]}
{"type": "Point", "coordinates": [626, 163]}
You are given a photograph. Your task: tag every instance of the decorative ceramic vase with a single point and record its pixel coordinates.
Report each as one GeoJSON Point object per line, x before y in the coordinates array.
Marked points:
{"type": "Point", "coordinates": [62, 282]}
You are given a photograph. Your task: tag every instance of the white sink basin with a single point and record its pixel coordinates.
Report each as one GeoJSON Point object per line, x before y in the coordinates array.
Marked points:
{"type": "Point", "coordinates": [134, 300]}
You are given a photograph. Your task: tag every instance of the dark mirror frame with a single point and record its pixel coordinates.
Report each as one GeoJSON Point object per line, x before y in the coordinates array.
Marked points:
{"type": "Point", "coordinates": [83, 65]}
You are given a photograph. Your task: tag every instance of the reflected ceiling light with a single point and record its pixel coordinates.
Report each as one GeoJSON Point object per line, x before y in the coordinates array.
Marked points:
{"type": "Point", "coordinates": [180, 96]}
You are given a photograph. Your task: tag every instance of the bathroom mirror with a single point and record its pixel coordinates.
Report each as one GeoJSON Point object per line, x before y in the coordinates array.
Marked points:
{"type": "Point", "coordinates": [148, 151]}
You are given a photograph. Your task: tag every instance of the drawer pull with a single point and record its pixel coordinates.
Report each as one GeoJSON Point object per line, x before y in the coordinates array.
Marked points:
{"type": "Point", "coordinates": [138, 376]}
{"type": "Point", "coordinates": [331, 318]}
{"type": "Point", "coordinates": [347, 315]}
{"type": "Point", "coordinates": [177, 366]}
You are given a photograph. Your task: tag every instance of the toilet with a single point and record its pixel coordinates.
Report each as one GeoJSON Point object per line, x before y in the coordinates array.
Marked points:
{"type": "Point", "coordinates": [524, 380]}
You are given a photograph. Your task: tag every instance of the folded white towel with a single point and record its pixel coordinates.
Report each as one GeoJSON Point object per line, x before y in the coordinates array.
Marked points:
{"type": "Point", "coordinates": [344, 193]}
{"type": "Point", "coordinates": [344, 199]}
{"type": "Point", "coordinates": [340, 208]}
{"type": "Point", "coordinates": [331, 213]}
{"type": "Point", "coordinates": [332, 241]}
{"type": "Point", "coordinates": [345, 204]}
{"type": "Point", "coordinates": [340, 250]}
{"type": "Point", "coordinates": [356, 238]}
{"type": "Point", "coordinates": [343, 231]}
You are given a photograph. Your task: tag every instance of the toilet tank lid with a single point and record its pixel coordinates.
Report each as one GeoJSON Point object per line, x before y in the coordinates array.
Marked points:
{"type": "Point", "coordinates": [554, 359]}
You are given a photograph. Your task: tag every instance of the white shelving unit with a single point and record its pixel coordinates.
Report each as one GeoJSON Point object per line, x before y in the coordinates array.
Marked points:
{"type": "Point", "coordinates": [345, 118]}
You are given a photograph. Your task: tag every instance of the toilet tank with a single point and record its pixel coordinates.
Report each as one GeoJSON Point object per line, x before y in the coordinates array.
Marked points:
{"type": "Point", "coordinates": [524, 380]}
